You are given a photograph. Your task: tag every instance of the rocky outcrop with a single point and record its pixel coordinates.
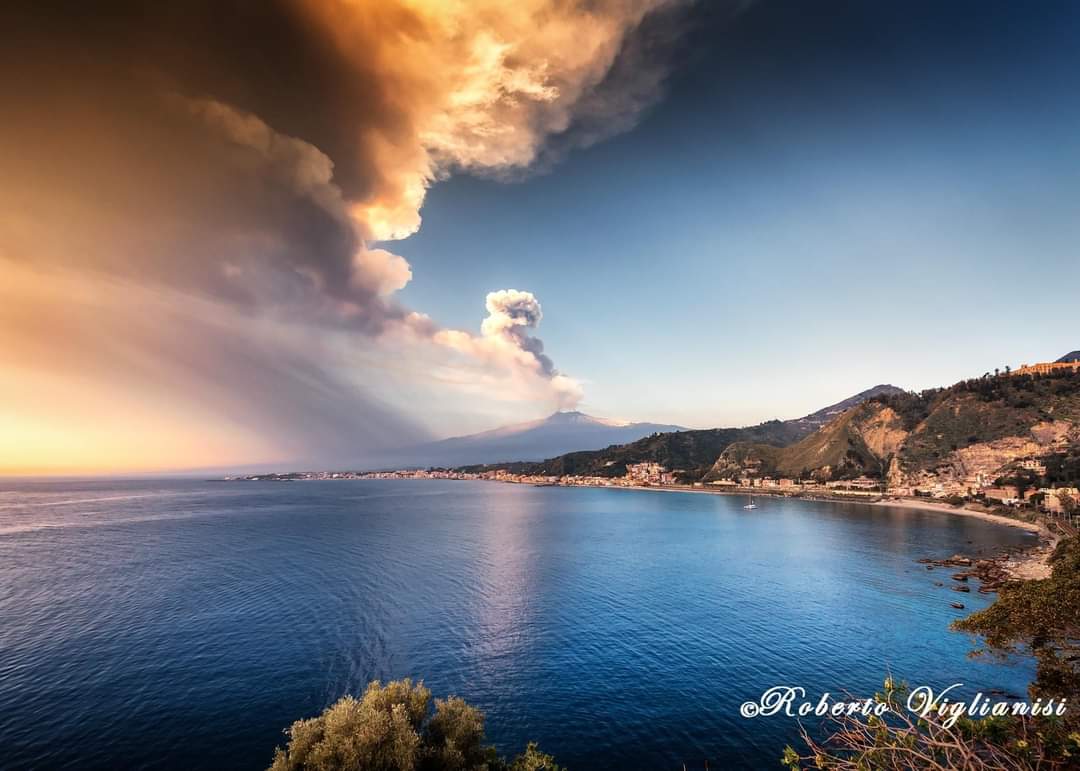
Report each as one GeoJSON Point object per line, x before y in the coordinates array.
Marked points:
{"type": "Point", "coordinates": [882, 431]}
{"type": "Point", "coordinates": [952, 439]}
{"type": "Point", "coordinates": [1053, 433]}
{"type": "Point", "coordinates": [855, 443]}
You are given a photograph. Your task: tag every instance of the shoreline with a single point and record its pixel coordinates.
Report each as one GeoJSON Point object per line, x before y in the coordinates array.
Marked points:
{"type": "Point", "coordinates": [1029, 563]}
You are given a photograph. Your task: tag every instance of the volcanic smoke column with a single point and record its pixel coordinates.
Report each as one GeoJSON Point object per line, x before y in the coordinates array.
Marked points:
{"type": "Point", "coordinates": [504, 341]}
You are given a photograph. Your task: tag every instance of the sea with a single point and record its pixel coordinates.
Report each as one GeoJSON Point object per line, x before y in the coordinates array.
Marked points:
{"type": "Point", "coordinates": [166, 624]}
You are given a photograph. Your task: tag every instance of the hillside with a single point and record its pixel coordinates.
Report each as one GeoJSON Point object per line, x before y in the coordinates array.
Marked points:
{"type": "Point", "coordinates": [969, 433]}
{"type": "Point", "coordinates": [852, 445]}
{"type": "Point", "coordinates": [691, 453]}
{"type": "Point", "coordinates": [816, 420]}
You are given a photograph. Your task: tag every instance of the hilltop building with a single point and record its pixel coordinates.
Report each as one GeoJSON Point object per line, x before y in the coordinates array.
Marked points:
{"type": "Point", "coordinates": [1034, 465]}
{"type": "Point", "coordinates": [1048, 367]}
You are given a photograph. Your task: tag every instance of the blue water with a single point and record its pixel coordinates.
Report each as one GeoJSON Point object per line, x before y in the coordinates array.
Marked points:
{"type": "Point", "coordinates": [185, 624]}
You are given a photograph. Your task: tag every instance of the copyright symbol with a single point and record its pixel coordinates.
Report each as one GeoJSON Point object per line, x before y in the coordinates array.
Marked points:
{"type": "Point", "coordinates": [749, 709]}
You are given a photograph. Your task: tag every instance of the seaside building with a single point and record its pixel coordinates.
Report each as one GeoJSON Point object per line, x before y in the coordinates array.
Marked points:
{"type": "Point", "coordinates": [1005, 494]}
{"type": "Point", "coordinates": [648, 473]}
{"type": "Point", "coordinates": [861, 483]}
{"type": "Point", "coordinates": [1047, 367]}
{"type": "Point", "coordinates": [1055, 499]}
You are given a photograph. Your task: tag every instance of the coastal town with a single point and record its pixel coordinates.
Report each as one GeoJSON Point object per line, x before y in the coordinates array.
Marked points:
{"type": "Point", "coordinates": [1062, 502]}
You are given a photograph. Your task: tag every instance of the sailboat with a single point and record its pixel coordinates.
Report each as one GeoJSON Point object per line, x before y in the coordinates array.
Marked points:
{"type": "Point", "coordinates": [751, 505]}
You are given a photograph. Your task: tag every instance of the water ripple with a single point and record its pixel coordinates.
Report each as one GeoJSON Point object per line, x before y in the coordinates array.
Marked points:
{"type": "Point", "coordinates": [184, 624]}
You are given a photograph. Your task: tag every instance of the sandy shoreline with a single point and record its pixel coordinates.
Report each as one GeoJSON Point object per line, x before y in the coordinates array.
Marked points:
{"type": "Point", "coordinates": [1030, 563]}
{"type": "Point", "coordinates": [918, 504]}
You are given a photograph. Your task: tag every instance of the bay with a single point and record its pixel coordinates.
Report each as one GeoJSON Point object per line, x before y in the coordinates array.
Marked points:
{"type": "Point", "coordinates": [185, 624]}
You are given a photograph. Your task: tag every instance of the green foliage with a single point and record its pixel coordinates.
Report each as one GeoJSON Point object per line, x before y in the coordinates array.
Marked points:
{"type": "Point", "coordinates": [981, 410]}
{"type": "Point", "coordinates": [456, 735]}
{"type": "Point", "coordinates": [958, 419]}
{"type": "Point", "coordinates": [392, 728]}
{"type": "Point", "coordinates": [1043, 616]}
{"type": "Point", "coordinates": [911, 407]}
{"type": "Point", "coordinates": [1023, 390]}
{"type": "Point", "coordinates": [534, 760]}
{"type": "Point", "coordinates": [1062, 468]}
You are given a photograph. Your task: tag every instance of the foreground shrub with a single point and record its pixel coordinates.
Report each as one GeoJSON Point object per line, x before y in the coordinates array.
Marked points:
{"type": "Point", "coordinates": [903, 741]}
{"type": "Point", "coordinates": [1037, 617]}
{"type": "Point", "coordinates": [393, 728]}
{"type": "Point", "coordinates": [1041, 617]}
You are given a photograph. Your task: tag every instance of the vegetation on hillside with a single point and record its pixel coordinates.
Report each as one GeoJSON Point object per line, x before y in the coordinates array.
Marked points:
{"type": "Point", "coordinates": [981, 410]}
{"type": "Point", "coordinates": [860, 441]}
{"type": "Point", "coordinates": [1042, 617]}
{"type": "Point", "coordinates": [688, 453]}
{"type": "Point", "coordinates": [691, 453]}
{"type": "Point", "coordinates": [1062, 468]}
{"type": "Point", "coordinates": [1043, 393]}
{"type": "Point", "coordinates": [934, 424]}
{"type": "Point", "coordinates": [393, 728]}
{"type": "Point", "coordinates": [840, 450]}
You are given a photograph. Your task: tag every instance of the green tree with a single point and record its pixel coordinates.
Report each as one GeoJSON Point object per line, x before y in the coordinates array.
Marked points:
{"type": "Point", "coordinates": [393, 728]}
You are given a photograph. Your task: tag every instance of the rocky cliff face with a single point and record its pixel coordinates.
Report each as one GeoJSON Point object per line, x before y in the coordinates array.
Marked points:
{"type": "Point", "coordinates": [852, 444]}
{"type": "Point", "coordinates": [953, 438]}
{"type": "Point", "coordinates": [882, 431]}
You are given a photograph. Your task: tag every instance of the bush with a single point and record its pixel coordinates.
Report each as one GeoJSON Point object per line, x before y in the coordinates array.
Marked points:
{"type": "Point", "coordinates": [1040, 617]}
{"type": "Point", "coordinates": [903, 741]}
{"type": "Point", "coordinates": [392, 728]}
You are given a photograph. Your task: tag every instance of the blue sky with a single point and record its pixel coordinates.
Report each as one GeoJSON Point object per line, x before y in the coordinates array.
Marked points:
{"type": "Point", "coordinates": [200, 206]}
{"type": "Point", "coordinates": [822, 202]}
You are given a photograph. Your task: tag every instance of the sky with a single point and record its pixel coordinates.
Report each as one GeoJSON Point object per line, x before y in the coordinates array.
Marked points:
{"type": "Point", "coordinates": [307, 232]}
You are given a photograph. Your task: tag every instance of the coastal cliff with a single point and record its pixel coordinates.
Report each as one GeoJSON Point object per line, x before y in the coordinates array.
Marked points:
{"type": "Point", "coordinates": [954, 438]}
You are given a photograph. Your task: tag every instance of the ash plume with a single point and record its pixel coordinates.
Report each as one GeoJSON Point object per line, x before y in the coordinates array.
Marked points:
{"type": "Point", "coordinates": [505, 341]}
{"type": "Point", "coordinates": [261, 157]}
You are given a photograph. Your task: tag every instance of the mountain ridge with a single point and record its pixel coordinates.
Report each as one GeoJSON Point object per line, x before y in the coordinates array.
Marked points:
{"type": "Point", "coordinates": [558, 433]}
{"type": "Point", "coordinates": [825, 414]}
{"type": "Point", "coordinates": [944, 440]}
{"type": "Point", "coordinates": [690, 452]}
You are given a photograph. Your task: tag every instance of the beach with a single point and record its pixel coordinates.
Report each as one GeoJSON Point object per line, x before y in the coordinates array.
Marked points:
{"type": "Point", "coordinates": [1028, 564]}
{"type": "Point", "coordinates": [1031, 563]}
